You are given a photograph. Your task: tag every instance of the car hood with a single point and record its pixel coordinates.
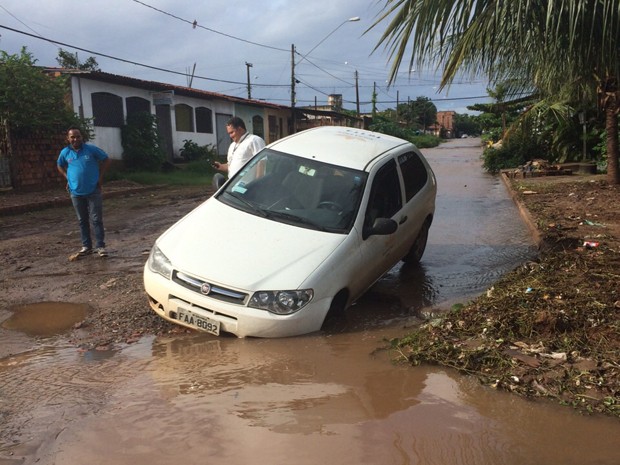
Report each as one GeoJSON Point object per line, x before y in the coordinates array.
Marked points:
{"type": "Point", "coordinates": [236, 249]}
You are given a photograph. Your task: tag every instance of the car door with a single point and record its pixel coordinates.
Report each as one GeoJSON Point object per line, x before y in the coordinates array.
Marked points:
{"type": "Point", "coordinates": [380, 252]}
{"type": "Point", "coordinates": [415, 178]}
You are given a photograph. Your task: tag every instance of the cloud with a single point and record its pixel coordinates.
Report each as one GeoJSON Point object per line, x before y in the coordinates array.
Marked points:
{"type": "Point", "coordinates": [226, 36]}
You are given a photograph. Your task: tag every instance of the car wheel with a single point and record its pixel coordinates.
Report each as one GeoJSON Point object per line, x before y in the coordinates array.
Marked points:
{"type": "Point", "coordinates": [419, 245]}
{"type": "Point", "coordinates": [335, 320]}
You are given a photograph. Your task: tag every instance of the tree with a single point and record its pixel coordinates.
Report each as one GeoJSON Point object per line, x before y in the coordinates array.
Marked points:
{"type": "Point", "coordinates": [419, 113]}
{"type": "Point", "coordinates": [467, 124]}
{"type": "Point", "coordinates": [31, 100]}
{"type": "Point", "coordinates": [556, 49]}
{"type": "Point", "coordinates": [71, 61]}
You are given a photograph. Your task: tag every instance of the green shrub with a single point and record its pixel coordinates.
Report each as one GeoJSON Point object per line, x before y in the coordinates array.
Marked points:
{"type": "Point", "coordinates": [142, 147]}
{"type": "Point", "coordinates": [514, 152]}
{"type": "Point", "coordinates": [388, 127]}
{"type": "Point", "coordinates": [191, 151]}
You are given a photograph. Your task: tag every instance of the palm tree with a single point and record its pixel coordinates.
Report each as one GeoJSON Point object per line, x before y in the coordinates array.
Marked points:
{"type": "Point", "coordinates": [551, 48]}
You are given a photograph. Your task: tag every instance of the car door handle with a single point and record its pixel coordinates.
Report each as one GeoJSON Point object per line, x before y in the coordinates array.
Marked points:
{"type": "Point", "coordinates": [402, 220]}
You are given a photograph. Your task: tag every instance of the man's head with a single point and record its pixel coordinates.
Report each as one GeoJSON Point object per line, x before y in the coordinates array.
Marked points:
{"type": "Point", "coordinates": [74, 137]}
{"type": "Point", "coordinates": [235, 128]}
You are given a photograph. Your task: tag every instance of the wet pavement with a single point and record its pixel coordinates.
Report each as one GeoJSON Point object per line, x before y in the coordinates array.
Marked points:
{"type": "Point", "coordinates": [332, 397]}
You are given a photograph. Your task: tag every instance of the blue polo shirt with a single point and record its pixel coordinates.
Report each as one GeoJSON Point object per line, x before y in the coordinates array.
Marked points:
{"type": "Point", "coordinates": [82, 167]}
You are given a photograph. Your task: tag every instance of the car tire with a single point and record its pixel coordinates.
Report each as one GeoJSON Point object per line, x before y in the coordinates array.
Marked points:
{"type": "Point", "coordinates": [419, 245]}
{"type": "Point", "coordinates": [336, 320]}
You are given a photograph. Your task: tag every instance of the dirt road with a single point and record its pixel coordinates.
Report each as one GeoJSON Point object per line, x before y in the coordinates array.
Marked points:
{"type": "Point", "coordinates": [35, 249]}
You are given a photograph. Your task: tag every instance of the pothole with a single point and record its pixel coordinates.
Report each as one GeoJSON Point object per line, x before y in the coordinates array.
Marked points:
{"type": "Point", "coordinates": [45, 318]}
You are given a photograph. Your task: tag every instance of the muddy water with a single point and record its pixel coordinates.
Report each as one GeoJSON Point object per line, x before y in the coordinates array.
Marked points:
{"type": "Point", "coordinates": [45, 318]}
{"type": "Point", "coordinates": [324, 398]}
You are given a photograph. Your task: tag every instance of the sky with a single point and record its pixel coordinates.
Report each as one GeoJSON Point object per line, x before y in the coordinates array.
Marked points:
{"type": "Point", "coordinates": [220, 41]}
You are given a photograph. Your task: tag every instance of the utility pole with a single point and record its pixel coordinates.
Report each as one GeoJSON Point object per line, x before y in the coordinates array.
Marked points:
{"type": "Point", "coordinates": [248, 66]}
{"type": "Point", "coordinates": [357, 93]}
{"type": "Point", "coordinates": [374, 98]}
{"type": "Point", "coordinates": [190, 78]}
{"type": "Point", "coordinates": [293, 123]}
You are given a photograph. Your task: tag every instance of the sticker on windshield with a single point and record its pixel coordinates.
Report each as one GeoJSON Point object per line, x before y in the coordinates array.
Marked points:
{"type": "Point", "coordinates": [240, 187]}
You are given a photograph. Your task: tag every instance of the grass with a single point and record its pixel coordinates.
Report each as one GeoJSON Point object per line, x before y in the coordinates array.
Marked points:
{"type": "Point", "coordinates": [196, 173]}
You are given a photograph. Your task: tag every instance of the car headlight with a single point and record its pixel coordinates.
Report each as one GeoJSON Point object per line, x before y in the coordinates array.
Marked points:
{"type": "Point", "coordinates": [159, 263]}
{"type": "Point", "coordinates": [281, 302]}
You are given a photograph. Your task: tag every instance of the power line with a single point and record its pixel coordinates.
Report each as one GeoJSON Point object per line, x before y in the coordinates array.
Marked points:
{"type": "Point", "coordinates": [195, 25]}
{"type": "Point", "coordinates": [19, 20]}
{"type": "Point", "coordinates": [157, 68]}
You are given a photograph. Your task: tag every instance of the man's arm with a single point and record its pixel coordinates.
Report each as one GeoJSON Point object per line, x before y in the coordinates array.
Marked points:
{"type": "Point", "coordinates": [105, 164]}
{"type": "Point", "coordinates": [63, 171]}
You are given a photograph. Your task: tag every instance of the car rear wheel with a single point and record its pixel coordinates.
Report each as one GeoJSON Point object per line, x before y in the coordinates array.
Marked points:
{"type": "Point", "coordinates": [419, 245]}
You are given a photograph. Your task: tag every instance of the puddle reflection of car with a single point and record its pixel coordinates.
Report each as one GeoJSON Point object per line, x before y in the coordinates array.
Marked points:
{"type": "Point", "coordinates": [303, 230]}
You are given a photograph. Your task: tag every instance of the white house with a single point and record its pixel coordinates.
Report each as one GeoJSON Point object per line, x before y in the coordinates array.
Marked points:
{"type": "Point", "coordinates": [183, 113]}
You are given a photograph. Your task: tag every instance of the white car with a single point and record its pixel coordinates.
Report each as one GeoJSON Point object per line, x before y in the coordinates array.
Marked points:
{"type": "Point", "coordinates": [304, 229]}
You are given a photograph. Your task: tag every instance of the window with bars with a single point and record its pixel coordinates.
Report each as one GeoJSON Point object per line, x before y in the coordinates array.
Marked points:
{"type": "Point", "coordinates": [184, 117]}
{"type": "Point", "coordinates": [258, 127]}
{"type": "Point", "coordinates": [204, 120]}
{"type": "Point", "coordinates": [137, 105]}
{"type": "Point", "coordinates": [107, 109]}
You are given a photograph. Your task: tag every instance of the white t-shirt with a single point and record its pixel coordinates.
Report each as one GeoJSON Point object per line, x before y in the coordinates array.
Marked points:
{"type": "Point", "coordinates": [239, 153]}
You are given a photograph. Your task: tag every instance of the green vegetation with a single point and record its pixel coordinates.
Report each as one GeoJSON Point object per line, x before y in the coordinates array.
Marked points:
{"type": "Point", "coordinates": [383, 124]}
{"type": "Point", "coordinates": [142, 147]}
{"type": "Point", "coordinates": [191, 151]}
{"type": "Point", "coordinates": [71, 61]}
{"type": "Point", "coordinates": [196, 173]}
{"type": "Point", "coordinates": [563, 56]}
{"type": "Point", "coordinates": [31, 101]}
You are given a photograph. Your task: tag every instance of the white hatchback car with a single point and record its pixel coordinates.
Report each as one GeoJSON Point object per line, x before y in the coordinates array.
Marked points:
{"type": "Point", "coordinates": [304, 229]}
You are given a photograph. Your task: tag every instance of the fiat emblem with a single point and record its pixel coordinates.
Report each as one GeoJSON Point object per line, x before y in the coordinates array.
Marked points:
{"type": "Point", "coordinates": [205, 288]}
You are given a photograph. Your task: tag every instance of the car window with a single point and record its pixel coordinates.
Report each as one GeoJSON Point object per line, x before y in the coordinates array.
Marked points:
{"type": "Point", "coordinates": [297, 191]}
{"type": "Point", "coordinates": [385, 195]}
{"type": "Point", "coordinates": [414, 173]}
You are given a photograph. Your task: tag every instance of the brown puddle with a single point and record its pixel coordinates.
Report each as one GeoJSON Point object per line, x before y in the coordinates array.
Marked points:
{"type": "Point", "coordinates": [45, 318]}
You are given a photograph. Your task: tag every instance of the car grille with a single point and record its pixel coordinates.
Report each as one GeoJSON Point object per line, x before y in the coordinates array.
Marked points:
{"type": "Point", "coordinates": [216, 292]}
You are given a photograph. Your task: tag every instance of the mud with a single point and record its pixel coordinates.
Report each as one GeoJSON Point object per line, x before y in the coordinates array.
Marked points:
{"type": "Point", "coordinates": [124, 386]}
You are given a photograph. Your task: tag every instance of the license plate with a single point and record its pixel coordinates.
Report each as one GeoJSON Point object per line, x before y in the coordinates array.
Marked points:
{"type": "Point", "coordinates": [200, 323]}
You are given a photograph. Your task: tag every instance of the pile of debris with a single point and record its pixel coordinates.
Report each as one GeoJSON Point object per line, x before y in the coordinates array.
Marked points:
{"type": "Point", "coordinates": [536, 168]}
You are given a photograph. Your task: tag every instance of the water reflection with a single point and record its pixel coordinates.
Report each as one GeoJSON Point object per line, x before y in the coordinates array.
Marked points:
{"type": "Point", "coordinates": [320, 380]}
{"type": "Point", "coordinates": [327, 398]}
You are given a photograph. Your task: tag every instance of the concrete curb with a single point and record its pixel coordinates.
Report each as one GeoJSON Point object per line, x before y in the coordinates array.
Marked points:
{"type": "Point", "coordinates": [523, 211]}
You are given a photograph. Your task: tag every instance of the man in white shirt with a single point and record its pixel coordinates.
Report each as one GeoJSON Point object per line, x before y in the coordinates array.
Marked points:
{"type": "Point", "coordinates": [243, 147]}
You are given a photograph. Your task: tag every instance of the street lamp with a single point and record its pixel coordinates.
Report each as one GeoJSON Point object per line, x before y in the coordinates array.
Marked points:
{"type": "Point", "coordinates": [294, 80]}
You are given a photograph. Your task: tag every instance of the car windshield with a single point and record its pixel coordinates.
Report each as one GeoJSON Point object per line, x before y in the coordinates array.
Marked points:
{"type": "Point", "coordinates": [297, 191]}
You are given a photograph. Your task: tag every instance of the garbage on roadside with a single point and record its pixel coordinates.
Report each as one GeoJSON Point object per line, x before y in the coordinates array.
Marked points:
{"type": "Point", "coordinates": [590, 244]}
{"type": "Point", "coordinates": [591, 223]}
{"type": "Point", "coordinates": [536, 168]}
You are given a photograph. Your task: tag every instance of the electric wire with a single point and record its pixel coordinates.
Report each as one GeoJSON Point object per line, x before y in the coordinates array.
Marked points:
{"type": "Point", "coordinates": [157, 68]}
{"type": "Point", "coordinates": [195, 25]}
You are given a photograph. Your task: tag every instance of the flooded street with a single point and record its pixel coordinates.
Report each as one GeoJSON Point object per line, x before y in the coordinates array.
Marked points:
{"type": "Point", "coordinates": [331, 398]}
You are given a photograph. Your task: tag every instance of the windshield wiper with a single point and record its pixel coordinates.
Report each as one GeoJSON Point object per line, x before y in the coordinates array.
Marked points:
{"type": "Point", "coordinates": [294, 219]}
{"type": "Point", "coordinates": [251, 206]}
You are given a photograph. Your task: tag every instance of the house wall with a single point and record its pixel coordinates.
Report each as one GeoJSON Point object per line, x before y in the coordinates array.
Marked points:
{"type": "Point", "coordinates": [282, 118]}
{"type": "Point", "coordinates": [445, 119]}
{"type": "Point", "coordinates": [200, 138]}
{"type": "Point", "coordinates": [109, 138]}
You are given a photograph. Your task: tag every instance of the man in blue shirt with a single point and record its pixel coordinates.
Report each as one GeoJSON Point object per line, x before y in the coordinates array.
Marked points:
{"type": "Point", "coordinates": [83, 166]}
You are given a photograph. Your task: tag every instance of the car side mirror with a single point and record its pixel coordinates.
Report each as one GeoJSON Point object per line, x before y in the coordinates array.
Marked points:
{"type": "Point", "coordinates": [381, 227]}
